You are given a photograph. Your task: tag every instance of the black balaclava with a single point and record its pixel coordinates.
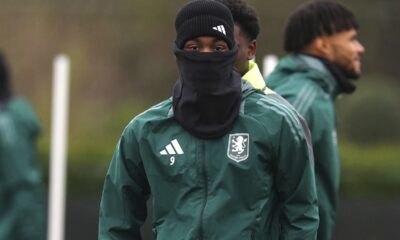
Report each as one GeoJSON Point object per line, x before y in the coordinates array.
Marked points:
{"type": "Point", "coordinates": [207, 95]}
{"type": "Point", "coordinates": [5, 87]}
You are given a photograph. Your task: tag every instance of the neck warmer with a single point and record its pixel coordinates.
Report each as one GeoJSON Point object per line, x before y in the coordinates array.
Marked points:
{"type": "Point", "coordinates": [345, 84]}
{"type": "Point", "coordinates": [207, 95]}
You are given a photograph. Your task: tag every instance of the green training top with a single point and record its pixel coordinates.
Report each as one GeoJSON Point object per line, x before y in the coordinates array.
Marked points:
{"type": "Point", "coordinates": [22, 209]}
{"type": "Point", "coordinates": [311, 89]}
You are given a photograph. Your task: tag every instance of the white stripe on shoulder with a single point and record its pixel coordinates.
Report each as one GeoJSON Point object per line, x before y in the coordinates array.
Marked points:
{"type": "Point", "coordinates": [310, 99]}
{"type": "Point", "coordinates": [288, 114]}
{"type": "Point", "coordinates": [300, 97]}
{"type": "Point", "coordinates": [289, 109]}
{"type": "Point", "coordinates": [242, 104]}
{"type": "Point", "coordinates": [305, 98]}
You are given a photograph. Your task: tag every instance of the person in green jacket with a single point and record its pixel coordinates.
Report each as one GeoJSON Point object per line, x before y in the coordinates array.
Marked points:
{"type": "Point", "coordinates": [22, 207]}
{"type": "Point", "coordinates": [321, 37]}
{"type": "Point", "coordinates": [218, 158]}
{"type": "Point", "coordinates": [246, 31]}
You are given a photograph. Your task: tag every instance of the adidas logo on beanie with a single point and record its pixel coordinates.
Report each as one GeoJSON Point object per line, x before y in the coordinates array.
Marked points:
{"type": "Point", "coordinates": [204, 18]}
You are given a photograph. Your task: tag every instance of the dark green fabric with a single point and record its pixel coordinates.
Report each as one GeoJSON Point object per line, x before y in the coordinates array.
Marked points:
{"type": "Point", "coordinates": [22, 209]}
{"type": "Point", "coordinates": [309, 86]}
{"type": "Point", "coordinates": [204, 194]}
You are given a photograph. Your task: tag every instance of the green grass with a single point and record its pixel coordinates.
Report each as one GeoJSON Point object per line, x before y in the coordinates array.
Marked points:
{"type": "Point", "coordinates": [370, 170]}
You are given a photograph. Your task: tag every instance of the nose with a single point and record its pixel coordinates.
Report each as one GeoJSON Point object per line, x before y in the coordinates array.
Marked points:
{"type": "Point", "coordinates": [206, 50]}
{"type": "Point", "coordinates": [360, 48]}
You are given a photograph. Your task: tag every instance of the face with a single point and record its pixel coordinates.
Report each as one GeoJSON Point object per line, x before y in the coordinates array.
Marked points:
{"type": "Point", "coordinates": [246, 50]}
{"type": "Point", "coordinates": [345, 52]}
{"type": "Point", "coordinates": [206, 45]}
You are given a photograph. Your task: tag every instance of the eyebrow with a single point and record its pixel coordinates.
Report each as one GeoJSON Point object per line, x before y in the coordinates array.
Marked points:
{"type": "Point", "coordinates": [215, 39]}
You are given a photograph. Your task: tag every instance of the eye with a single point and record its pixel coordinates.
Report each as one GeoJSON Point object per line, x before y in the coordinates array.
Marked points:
{"type": "Point", "coordinates": [221, 46]}
{"type": "Point", "coordinates": [354, 38]}
{"type": "Point", "coordinates": [220, 49]}
{"type": "Point", "coordinates": [191, 46]}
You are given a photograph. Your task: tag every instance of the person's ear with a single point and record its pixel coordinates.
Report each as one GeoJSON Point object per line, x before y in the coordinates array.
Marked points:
{"type": "Point", "coordinates": [323, 46]}
{"type": "Point", "coordinates": [251, 49]}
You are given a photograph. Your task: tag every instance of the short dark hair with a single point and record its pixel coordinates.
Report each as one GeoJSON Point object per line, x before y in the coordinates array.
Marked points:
{"type": "Point", "coordinates": [5, 86]}
{"type": "Point", "coordinates": [245, 16]}
{"type": "Point", "coordinates": [314, 19]}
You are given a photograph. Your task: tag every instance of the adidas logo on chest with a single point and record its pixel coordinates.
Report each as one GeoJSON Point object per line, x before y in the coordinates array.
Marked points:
{"type": "Point", "coordinates": [172, 149]}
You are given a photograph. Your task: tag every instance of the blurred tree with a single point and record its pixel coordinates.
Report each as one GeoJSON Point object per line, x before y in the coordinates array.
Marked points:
{"type": "Point", "coordinates": [122, 62]}
{"type": "Point", "coordinates": [372, 115]}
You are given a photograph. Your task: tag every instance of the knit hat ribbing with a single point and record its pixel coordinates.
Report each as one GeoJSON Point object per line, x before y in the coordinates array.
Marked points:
{"type": "Point", "coordinates": [204, 18]}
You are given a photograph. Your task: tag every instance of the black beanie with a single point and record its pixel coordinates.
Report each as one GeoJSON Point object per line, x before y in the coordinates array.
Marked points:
{"type": "Point", "coordinates": [204, 18]}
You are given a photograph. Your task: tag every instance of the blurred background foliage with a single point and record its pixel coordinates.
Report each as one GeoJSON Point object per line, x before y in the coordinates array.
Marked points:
{"type": "Point", "coordinates": [122, 63]}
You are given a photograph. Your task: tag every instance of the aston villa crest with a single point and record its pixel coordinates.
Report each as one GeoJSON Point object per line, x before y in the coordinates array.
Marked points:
{"type": "Point", "coordinates": [238, 147]}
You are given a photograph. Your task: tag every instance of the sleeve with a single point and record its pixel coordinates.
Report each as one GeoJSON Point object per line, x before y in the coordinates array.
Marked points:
{"type": "Point", "coordinates": [320, 119]}
{"type": "Point", "coordinates": [8, 143]}
{"type": "Point", "coordinates": [295, 179]}
{"type": "Point", "coordinates": [21, 200]}
{"type": "Point", "coordinates": [126, 190]}
{"type": "Point", "coordinates": [27, 215]}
